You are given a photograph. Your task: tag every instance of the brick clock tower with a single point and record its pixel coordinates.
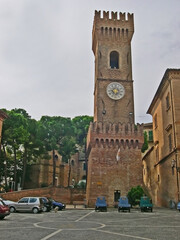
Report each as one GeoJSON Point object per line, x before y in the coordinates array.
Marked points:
{"type": "Point", "coordinates": [114, 142]}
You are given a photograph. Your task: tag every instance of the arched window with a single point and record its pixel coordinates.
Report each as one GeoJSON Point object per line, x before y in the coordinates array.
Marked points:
{"type": "Point", "coordinates": [114, 59]}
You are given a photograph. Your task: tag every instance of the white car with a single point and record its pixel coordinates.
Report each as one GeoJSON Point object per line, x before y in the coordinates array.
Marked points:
{"type": "Point", "coordinates": [27, 204]}
{"type": "Point", "coordinates": [8, 202]}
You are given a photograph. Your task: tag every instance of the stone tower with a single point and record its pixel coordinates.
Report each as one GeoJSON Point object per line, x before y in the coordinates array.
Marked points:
{"type": "Point", "coordinates": [111, 44]}
{"type": "Point", "coordinates": [114, 142]}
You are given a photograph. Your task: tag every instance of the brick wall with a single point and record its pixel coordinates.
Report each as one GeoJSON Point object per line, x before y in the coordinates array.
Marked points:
{"type": "Point", "coordinates": [65, 195]}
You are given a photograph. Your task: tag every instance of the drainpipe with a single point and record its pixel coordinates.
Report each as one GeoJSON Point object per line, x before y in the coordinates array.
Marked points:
{"type": "Point", "coordinates": [175, 143]}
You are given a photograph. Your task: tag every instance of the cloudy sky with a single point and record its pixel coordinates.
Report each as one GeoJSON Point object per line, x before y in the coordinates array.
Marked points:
{"type": "Point", "coordinates": [46, 61]}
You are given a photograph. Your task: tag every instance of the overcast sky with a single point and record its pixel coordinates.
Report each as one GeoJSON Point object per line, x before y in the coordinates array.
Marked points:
{"type": "Point", "coordinates": [46, 59]}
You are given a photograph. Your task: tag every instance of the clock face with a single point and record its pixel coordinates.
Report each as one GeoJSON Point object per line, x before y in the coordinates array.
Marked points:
{"type": "Point", "coordinates": [115, 91]}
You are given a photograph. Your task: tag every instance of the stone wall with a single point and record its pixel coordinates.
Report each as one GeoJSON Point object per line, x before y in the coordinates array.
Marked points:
{"type": "Point", "coordinates": [65, 195]}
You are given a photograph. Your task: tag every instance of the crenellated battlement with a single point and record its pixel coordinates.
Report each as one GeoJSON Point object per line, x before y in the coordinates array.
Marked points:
{"type": "Point", "coordinates": [113, 16]}
{"type": "Point", "coordinates": [117, 134]}
{"type": "Point", "coordinates": [114, 26]}
{"type": "Point", "coordinates": [122, 129]}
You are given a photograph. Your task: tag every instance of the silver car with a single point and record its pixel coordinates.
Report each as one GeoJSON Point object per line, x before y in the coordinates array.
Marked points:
{"type": "Point", "coordinates": [27, 204]}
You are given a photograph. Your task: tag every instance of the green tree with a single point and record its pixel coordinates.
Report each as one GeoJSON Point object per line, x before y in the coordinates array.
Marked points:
{"type": "Point", "coordinates": [19, 128]}
{"type": "Point", "coordinates": [135, 194]}
{"type": "Point", "coordinates": [14, 134]}
{"type": "Point", "coordinates": [53, 131]}
{"type": "Point", "coordinates": [81, 125]}
{"type": "Point", "coordinates": [57, 133]}
{"type": "Point", "coordinates": [145, 144]}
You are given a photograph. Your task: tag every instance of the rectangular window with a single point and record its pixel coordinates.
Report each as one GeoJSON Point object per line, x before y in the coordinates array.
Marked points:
{"type": "Point", "coordinates": [150, 136]}
{"type": "Point", "coordinates": [167, 102]}
{"type": "Point", "coordinates": [158, 178]}
{"type": "Point", "coordinates": [157, 154]}
{"type": "Point", "coordinates": [84, 166]}
{"type": "Point", "coordinates": [155, 121]}
{"type": "Point", "coordinates": [170, 142]}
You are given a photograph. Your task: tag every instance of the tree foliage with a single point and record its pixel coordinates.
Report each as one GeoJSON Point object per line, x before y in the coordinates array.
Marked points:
{"type": "Point", "coordinates": [81, 126]}
{"type": "Point", "coordinates": [25, 140]}
{"type": "Point", "coordinates": [135, 194]}
{"type": "Point", "coordinates": [145, 144]}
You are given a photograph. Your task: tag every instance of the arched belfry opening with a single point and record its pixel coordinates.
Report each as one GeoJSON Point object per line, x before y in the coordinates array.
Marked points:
{"type": "Point", "coordinates": [114, 59]}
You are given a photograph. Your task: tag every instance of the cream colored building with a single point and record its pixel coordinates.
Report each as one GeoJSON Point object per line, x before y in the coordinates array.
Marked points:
{"type": "Point", "coordinates": [161, 163]}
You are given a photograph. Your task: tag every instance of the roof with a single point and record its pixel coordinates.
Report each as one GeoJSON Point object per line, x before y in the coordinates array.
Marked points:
{"type": "Point", "coordinates": [161, 85]}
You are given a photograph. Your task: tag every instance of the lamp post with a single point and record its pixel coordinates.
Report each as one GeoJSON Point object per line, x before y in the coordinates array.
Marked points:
{"type": "Point", "coordinates": [5, 173]}
{"type": "Point", "coordinates": [12, 184]}
{"type": "Point", "coordinates": [55, 158]}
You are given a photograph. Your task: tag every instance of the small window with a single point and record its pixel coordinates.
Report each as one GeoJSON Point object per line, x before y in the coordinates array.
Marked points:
{"type": "Point", "coordinates": [84, 166]}
{"type": "Point", "coordinates": [151, 136]}
{"type": "Point", "coordinates": [170, 142]}
{"type": "Point", "coordinates": [128, 58]}
{"type": "Point", "coordinates": [155, 121]}
{"type": "Point", "coordinates": [158, 178]}
{"type": "Point", "coordinates": [114, 59]}
{"type": "Point", "coordinates": [167, 102]}
{"type": "Point", "coordinates": [157, 154]}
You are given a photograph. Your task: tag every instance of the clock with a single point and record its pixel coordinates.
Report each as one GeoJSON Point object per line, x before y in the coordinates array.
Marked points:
{"type": "Point", "coordinates": [115, 90]}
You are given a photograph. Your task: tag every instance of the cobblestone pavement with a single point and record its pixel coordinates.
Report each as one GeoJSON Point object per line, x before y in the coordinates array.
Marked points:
{"type": "Point", "coordinates": [80, 224]}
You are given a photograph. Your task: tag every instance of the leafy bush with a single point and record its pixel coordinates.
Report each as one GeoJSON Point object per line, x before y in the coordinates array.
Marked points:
{"type": "Point", "coordinates": [135, 194]}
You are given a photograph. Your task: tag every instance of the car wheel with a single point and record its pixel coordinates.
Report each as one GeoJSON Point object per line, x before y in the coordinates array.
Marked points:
{"type": "Point", "coordinates": [44, 209]}
{"type": "Point", "coordinates": [12, 209]}
{"type": "Point", "coordinates": [60, 208]}
{"type": "Point", "coordinates": [35, 210]}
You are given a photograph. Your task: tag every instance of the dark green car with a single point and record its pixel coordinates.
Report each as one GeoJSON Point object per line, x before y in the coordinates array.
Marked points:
{"type": "Point", "coordinates": [145, 204]}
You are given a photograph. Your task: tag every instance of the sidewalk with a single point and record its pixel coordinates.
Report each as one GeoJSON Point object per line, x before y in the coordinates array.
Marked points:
{"type": "Point", "coordinates": [78, 206]}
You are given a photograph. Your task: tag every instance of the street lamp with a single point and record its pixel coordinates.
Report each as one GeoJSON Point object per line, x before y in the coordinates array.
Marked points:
{"type": "Point", "coordinates": [5, 173]}
{"type": "Point", "coordinates": [55, 158]}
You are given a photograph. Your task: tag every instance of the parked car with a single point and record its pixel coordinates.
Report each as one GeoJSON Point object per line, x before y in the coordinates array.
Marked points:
{"type": "Point", "coordinates": [101, 204]}
{"type": "Point", "coordinates": [8, 202]}
{"type": "Point", "coordinates": [27, 204]}
{"type": "Point", "coordinates": [145, 204]}
{"type": "Point", "coordinates": [59, 205]}
{"type": "Point", "coordinates": [4, 210]}
{"type": "Point", "coordinates": [47, 204]}
{"type": "Point", "coordinates": [123, 204]}
{"type": "Point", "coordinates": [178, 206]}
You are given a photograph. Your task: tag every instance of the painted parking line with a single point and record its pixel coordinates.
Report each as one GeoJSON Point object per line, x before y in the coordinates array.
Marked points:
{"type": "Point", "coordinates": [84, 216]}
{"type": "Point", "coordinates": [51, 235]}
{"type": "Point", "coordinates": [123, 235]}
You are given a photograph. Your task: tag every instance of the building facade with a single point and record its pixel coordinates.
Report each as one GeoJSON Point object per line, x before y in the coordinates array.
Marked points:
{"type": "Point", "coordinates": [64, 174]}
{"type": "Point", "coordinates": [161, 163]}
{"type": "Point", "coordinates": [114, 141]}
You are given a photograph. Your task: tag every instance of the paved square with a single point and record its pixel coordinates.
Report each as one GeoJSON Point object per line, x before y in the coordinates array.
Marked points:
{"type": "Point", "coordinates": [79, 224]}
